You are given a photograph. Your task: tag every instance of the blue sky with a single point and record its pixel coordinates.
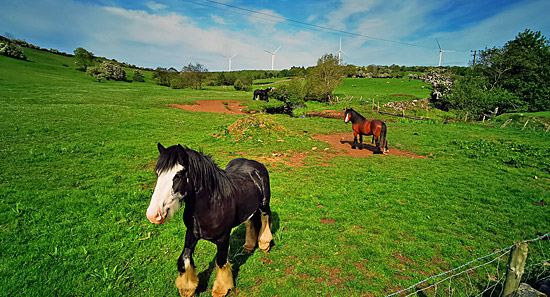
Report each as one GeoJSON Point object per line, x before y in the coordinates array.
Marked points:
{"type": "Point", "coordinates": [174, 33]}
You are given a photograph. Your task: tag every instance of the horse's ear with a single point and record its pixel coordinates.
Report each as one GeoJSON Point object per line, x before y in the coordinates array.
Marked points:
{"type": "Point", "coordinates": [161, 148]}
{"type": "Point", "coordinates": [182, 149]}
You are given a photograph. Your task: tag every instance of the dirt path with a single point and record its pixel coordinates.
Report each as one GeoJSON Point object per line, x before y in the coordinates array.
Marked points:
{"type": "Point", "coordinates": [216, 106]}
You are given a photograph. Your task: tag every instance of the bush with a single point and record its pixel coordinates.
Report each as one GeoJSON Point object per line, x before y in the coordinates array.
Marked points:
{"type": "Point", "coordinates": [241, 85]}
{"type": "Point", "coordinates": [138, 76]}
{"type": "Point", "coordinates": [12, 50]}
{"type": "Point", "coordinates": [470, 94]}
{"type": "Point", "coordinates": [96, 72]}
{"type": "Point", "coordinates": [293, 93]}
{"type": "Point", "coordinates": [113, 71]}
{"type": "Point", "coordinates": [178, 82]}
{"type": "Point", "coordinates": [163, 76]}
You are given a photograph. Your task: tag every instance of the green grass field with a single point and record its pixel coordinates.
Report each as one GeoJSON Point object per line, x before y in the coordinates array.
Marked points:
{"type": "Point", "coordinates": [77, 162]}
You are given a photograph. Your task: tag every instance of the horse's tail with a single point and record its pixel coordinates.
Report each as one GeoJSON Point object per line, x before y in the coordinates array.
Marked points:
{"type": "Point", "coordinates": [383, 140]}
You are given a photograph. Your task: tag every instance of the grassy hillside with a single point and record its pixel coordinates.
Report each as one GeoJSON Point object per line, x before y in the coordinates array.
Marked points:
{"type": "Point", "coordinates": [76, 179]}
{"type": "Point", "coordinates": [383, 90]}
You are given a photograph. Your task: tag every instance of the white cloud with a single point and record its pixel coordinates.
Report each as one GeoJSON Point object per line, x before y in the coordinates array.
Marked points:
{"type": "Point", "coordinates": [155, 6]}
{"type": "Point", "coordinates": [339, 17]}
{"type": "Point", "coordinates": [218, 20]}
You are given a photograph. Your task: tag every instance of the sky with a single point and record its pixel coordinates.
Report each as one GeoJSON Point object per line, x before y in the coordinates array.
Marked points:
{"type": "Point", "coordinates": [174, 33]}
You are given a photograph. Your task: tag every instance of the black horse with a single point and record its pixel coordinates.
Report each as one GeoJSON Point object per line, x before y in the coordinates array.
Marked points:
{"type": "Point", "coordinates": [216, 201]}
{"type": "Point", "coordinates": [262, 94]}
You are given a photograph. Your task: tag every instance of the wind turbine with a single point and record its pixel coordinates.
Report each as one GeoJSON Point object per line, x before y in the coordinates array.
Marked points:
{"type": "Point", "coordinates": [340, 51]}
{"type": "Point", "coordinates": [273, 56]}
{"type": "Point", "coordinates": [230, 60]}
{"type": "Point", "coordinates": [441, 52]}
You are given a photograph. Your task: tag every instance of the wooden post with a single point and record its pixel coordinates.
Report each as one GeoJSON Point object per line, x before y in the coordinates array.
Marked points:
{"type": "Point", "coordinates": [525, 124]}
{"type": "Point", "coordinates": [516, 266]}
{"type": "Point", "coordinates": [507, 122]}
{"type": "Point", "coordinates": [372, 102]}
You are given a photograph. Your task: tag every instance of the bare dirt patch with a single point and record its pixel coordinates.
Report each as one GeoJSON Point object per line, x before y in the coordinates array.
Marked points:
{"type": "Point", "coordinates": [341, 143]}
{"type": "Point", "coordinates": [216, 106]}
{"type": "Point", "coordinates": [329, 114]}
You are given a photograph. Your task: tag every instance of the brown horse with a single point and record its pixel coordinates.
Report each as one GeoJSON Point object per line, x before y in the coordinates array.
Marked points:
{"type": "Point", "coordinates": [361, 126]}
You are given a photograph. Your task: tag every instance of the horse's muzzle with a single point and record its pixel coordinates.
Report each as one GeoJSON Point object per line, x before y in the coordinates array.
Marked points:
{"type": "Point", "coordinates": [156, 218]}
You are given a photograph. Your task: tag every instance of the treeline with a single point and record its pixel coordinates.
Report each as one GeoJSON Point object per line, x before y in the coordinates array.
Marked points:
{"type": "Point", "coordinates": [512, 78]}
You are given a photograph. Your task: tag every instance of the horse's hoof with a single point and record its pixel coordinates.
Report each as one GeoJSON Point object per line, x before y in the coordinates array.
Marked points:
{"type": "Point", "coordinates": [187, 293]}
{"type": "Point", "coordinates": [224, 281]}
{"type": "Point", "coordinates": [187, 282]}
{"type": "Point", "coordinates": [219, 293]}
{"type": "Point", "coordinates": [265, 249]}
{"type": "Point", "coordinates": [249, 249]}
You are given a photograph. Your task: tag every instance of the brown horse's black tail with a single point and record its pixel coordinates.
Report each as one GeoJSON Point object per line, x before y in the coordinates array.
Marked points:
{"type": "Point", "coordinates": [383, 141]}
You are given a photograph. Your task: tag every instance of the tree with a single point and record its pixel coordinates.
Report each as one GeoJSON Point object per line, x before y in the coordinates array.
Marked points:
{"type": "Point", "coordinates": [324, 77]}
{"type": "Point", "coordinates": [83, 59]}
{"type": "Point", "coordinates": [113, 71]}
{"type": "Point", "coordinates": [163, 77]}
{"type": "Point", "coordinates": [521, 67]}
{"type": "Point", "coordinates": [441, 81]}
{"type": "Point", "coordinates": [471, 95]}
{"type": "Point", "coordinates": [292, 93]}
{"type": "Point", "coordinates": [194, 75]}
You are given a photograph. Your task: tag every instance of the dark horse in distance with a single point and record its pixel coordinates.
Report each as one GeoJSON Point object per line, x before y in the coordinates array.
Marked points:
{"type": "Point", "coordinates": [361, 126]}
{"type": "Point", "coordinates": [216, 201]}
{"type": "Point", "coordinates": [262, 94]}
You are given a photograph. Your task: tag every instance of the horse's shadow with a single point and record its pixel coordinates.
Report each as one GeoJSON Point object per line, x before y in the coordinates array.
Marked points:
{"type": "Point", "coordinates": [360, 146]}
{"type": "Point", "coordinates": [237, 255]}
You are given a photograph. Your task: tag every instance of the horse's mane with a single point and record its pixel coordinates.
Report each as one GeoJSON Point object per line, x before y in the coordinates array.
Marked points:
{"type": "Point", "coordinates": [355, 113]}
{"type": "Point", "coordinates": [203, 172]}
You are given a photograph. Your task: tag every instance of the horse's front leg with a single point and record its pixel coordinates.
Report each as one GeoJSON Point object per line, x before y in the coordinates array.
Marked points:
{"type": "Point", "coordinates": [354, 141]}
{"type": "Point", "coordinates": [360, 141]}
{"type": "Point", "coordinates": [187, 280]}
{"type": "Point", "coordinates": [376, 141]}
{"type": "Point", "coordinates": [224, 277]}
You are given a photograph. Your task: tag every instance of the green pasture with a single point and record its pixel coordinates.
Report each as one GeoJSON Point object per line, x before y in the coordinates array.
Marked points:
{"type": "Point", "coordinates": [77, 160]}
{"type": "Point", "coordinates": [382, 90]}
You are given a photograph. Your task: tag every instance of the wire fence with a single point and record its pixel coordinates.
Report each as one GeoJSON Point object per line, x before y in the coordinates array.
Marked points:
{"type": "Point", "coordinates": [485, 276]}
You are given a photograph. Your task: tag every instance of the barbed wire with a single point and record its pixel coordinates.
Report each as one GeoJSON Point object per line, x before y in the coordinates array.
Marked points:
{"type": "Point", "coordinates": [501, 253]}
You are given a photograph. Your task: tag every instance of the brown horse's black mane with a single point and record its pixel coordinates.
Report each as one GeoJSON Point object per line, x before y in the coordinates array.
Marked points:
{"type": "Point", "coordinates": [355, 116]}
{"type": "Point", "coordinates": [203, 172]}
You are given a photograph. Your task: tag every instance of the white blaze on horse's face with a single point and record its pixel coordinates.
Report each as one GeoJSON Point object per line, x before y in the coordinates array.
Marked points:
{"type": "Point", "coordinates": [164, 202]}
{"type": "Point", "coordinates": [348, 116]}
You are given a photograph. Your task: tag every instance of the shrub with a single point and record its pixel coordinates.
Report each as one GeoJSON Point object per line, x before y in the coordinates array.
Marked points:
{"type": "Point", "coordinates": [293, 93]}
{"type": "Point", "coordinates": [113, 71]}
{"type": "Point", "coordinates": [241, 85]}
{"type": "Point", "coordinates": [470, 94]}
{"type": "Point", "coordinates": [12, 50]}
{"type": "Point", "coordinates": [138, 76]}
{"type": "Point", "coordinates": [163, 76]}
{"type": "Point", "coordinates": [178, 82]}
{"type": "Point", "coordinates": [96, 72]}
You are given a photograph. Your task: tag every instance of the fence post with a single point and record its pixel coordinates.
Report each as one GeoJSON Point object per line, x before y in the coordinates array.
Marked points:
{"type": "Point", "coordinates": [516, 266]}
